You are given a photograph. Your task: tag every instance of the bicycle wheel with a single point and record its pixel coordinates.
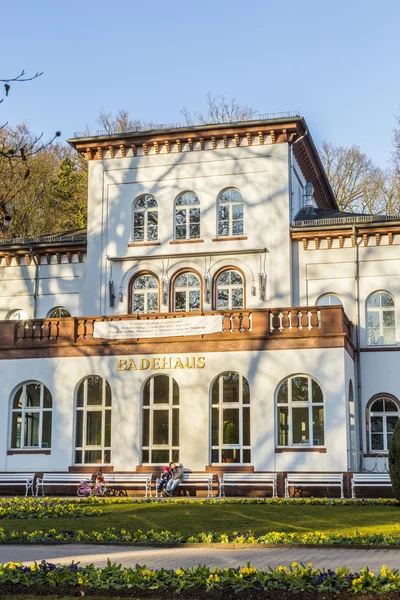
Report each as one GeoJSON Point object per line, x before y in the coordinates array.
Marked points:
{"type": "Point", "coordinates": [83, 491]}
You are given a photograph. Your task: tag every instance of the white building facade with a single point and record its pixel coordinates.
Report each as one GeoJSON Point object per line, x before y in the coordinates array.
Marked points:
{"type": "Point", "coordinates": [203, 221]}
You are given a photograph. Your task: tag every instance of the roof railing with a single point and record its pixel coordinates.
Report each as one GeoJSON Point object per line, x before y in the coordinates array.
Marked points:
{"type": "Point", "coordinates": [43, 239]}
{"type": "Point", "coordinates": [344, 220]}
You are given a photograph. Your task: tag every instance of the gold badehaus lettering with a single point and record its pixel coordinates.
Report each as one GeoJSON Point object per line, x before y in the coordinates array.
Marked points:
{"type": "Point", "coordinates": [161, 363]}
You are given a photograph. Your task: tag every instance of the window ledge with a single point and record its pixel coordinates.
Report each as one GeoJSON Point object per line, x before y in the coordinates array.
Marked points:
{"type": "Point", "coordinates": [230, 238]}
{"type": "Point", "coordinates": [377, 454]}
{"type": "Point", "coordinates": [320, 449]}
{"type": "Point", "coordinates": [31, 451]}
{"type": "Point", "coordinates": [193, 241]}
{"type": "Point", "coordinates": [136, 244]}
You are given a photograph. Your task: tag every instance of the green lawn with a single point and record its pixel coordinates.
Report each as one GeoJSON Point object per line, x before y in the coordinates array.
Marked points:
{"type": "Point", "coordinates": [225, 518]}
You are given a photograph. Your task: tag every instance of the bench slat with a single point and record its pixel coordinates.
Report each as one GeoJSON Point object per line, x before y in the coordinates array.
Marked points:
{"type": "Point", "coordinates": [369, 480]}
{"type": "Point", "coordinates": [261, 479]}
{"type": "Point", "coordinates": [314, 479]}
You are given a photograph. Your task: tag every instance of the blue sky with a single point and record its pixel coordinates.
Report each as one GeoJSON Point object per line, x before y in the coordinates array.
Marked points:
{"type": "Point", "coordinates": [336, 62]}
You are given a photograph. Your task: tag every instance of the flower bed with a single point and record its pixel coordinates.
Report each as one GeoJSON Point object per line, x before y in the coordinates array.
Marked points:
{"type": "Point", "coordinates": [270, 501]}
{"type": "Point", "coordinates": [200, 581]}
{"type": "Point", "coordinates": [39, 508]}
{"type": "Point", "coordinates": [113, 535]}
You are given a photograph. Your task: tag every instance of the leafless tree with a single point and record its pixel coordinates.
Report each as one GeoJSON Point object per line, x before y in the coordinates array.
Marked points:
{"type": "Point", "coordinates": [121, 122]}
{"type": "Point", "coordinates": [220, 109]}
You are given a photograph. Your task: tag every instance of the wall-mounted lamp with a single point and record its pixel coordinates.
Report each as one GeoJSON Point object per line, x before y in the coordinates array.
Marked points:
{"type": "Point", "coordinates": [253, 288]}
{"type": "Point", "coordinates": [111, 292]}
{"type": "Point", "coordinates": [120, 295]}
{"type": "Point", "coordinates": [207, 289]}
{"type": "Point", "coordinates": [261, 283]}
{"type": "Point", "coordinates": [164, 291]}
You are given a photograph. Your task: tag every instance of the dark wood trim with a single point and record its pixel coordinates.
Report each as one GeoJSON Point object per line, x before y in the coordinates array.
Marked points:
{"type": "Point", "coordinates": [230, 239]}
{"type": "Point", "coordinates": [130, 288]}
{"type": "Point", "coordinates": [381, 349]}
{"type": "Point", "coordinates": [193, 241]}
{"type": "Point", "coordinates": [378, 454]}
{"type": "Point", "coordinates": [367, 414]}
{"type": "Point", "coordinates": [214, 285]}
{"type": "Point", "coordinates": [321, 450]}
{"type": "Point", "coordinates": [38, 451]}
{"type": "Point", "coordinates": [137, 244]}
{"type": "Point", "coordinates": [171, 291]}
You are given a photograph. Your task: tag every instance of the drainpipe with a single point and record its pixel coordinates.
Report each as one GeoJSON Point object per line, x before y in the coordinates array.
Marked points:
{"type": "Point", "coordinates": [292, 169]}
{"type": "Point", "coordinates": [357, 322]}
{"type": "Point", "coordinates": [36, 286]}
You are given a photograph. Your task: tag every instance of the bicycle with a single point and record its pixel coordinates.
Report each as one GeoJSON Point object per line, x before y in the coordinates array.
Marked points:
{"type": "Point", "coordinates": [87, 488]}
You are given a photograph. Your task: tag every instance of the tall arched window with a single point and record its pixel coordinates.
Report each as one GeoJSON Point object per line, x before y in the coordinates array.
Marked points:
{"type": "Point", "coordinates": [145, 219]}
{"type": "Point", "coordinates": [17, 315]}
{"type": "Point", "coordinates": [300, 414]}
{"type": "Point", "coordinates": [187, 292]}
{"type": "Point", "coordinates": [383, 413]}
{"type": "Point", "coordinates": [329, 300]}
{"type": "Point", "coordinates": [31, 416]}
{"type": "Point", "coordinates": [187, 217]}
{"type": "Point", "coordinates": [230, 419]}
{"type": "Point", "coordinates": [381, 319]}
{"type": "Point", "coordinates": [58, 313]}
{"type": "Point", "coordinates": [230, 213]}
{"type": "Point", "coordinates": [160, 420]}
{"type": "Point", "coordinates": [144, 294]}
{"type": "Point", "coordinates": [229, 291]}
{"type": "Point", "coordinates": [93, 422]}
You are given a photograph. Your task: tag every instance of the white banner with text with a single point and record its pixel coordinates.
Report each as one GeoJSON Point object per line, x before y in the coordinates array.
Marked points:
{"type": "Point", "coordinates": [154, 328]}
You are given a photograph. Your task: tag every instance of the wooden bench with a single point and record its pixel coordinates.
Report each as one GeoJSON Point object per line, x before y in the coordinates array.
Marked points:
{"type": "Point", "coordinates": [248, 479]}
{"type": "Point", "coordinates": [128, 480]}
{"type": "Point", "coordinates": [299, 480]}
{"type": "Point", "coordinates": [60, 479]}
{"type": "Point", "coordinates": [369, 480]}
{"type": "Point", "coordinates": [11, 479]}
{"type": "Point", "coordinates": [194, 479]}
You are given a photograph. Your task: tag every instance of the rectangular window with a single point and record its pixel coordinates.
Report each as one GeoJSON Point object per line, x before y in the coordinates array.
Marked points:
{"type": "Point", "coordinates": [318, 425]}
{"type": "Point", "coordinates": [283, 420]}
{"type": "Point", "coordinates": [93, 428]}
{"type": "Point", "coordinates": [161, 427]}
{"type": "Point", "coordinates": [301, 426]}
{"type": "Point", "coordinates": [31, 429]}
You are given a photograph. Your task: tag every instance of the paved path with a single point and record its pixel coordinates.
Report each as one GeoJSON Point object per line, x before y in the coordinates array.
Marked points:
{"type": "Point", "coordinates": [174, 558]}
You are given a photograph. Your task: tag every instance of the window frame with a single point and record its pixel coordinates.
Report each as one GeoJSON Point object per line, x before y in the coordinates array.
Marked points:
{"type": "Point", "coordinates": [187, 289]}
{"type": "Point", "coordinates": [369, 413]}
{"type": "Point", "coordinates": [329, 295]}
{"type": "Point", "coordinates": [9, 316]}
{"type": "Point", "coordinates": [24, 409]}
{"type": "Point", "coordinates": [59, 308]}
{"type": "Point", "coordinates": [230, 220]}
{"type": "Point", "coordinates": [131, 292]}
{"type": "Point", "coordinates": [215, 288]}
{"type": "Point", "coordinates": [172, 449]}
{"type": "Point", "coordinates": [85, 409]}
{"type": "Point", "coordinates": [290, 404]}
{"type": "Point", "coordinates": [146, 210]}
{"type": "Point", "coordinates": [380, 310]}
{"type": "Point", "coordinates": [186, 208]}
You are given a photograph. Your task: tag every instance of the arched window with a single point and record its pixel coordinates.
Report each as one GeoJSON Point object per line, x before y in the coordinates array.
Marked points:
{"type": "Point", "coordinates": [300, 417]}
{"type": "Point", "coordinates": [160, 420]}
{"type": "Point", "coordinates": [31, 416]}
{"type": "Point", "coordinates": [17, 315]}
{"type": "Point", "coordinates": [58, 313]}
{"type": "Point", "coordinates": [187, 292]}
{"type": "Point", "coordinates": [229, 291]}
{"type": "Point", "coordinates": [144, 294]}
{"type": "Point", "coordinates": [329, 300]}
{"type": "Point", "coordinates": [230, 213]}
{"type": "Point", "coordinates": [93, 422]}
{"type": "Point", "coordinates": [383, 413]}
{"type": "Point", "coordinates": [187, 217]}
{"type": "Point", "coordinates": [230, 419]}
{"type": "Point", "coordinates": [381, 319]}
{"type": "Point", "coordinates": [145, 219]}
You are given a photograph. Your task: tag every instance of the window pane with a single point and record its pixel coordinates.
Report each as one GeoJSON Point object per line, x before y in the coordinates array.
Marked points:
{"type": "Point", "coordinates": [152, 233]}
{"type": "Point", "coordinates": [390, 406]}
{"type": "Point", "coordinates": [152, 218]}
{"type": "Point", "coordinates": [230, 382]}
{"type": "Point", "coordinates": [138, 303]}
{"type": "Point", "coordinates": [146, 393]}
{"type": "Point", "coordinates": [223, 228]}
{"type": "Point", "coordinates": [160, 427]}
{"type": "Point", "coordinates": [246, 391]}
{"type": "Point", "coordinates": [79, 429]}
{"type": "Point", "coordinates": [33, 395]}
{"type": "Point", "coordinates": [194, 300]}
{"type": "Point", "coordinates": [175, 392]}
{"type": "Point", "coordinates": [377, 441]}
{"type": "Point", "coordinates": [79, 396]}
{"type": "Point", "coordinates": [31, 429]}
{"type": "Point", "coordinates": [215, 456]}
{"type": "Point", "coordinates": [180, 217]}
{"type": "Point", "coordinates": [377, 405]}
{"type": "Point", "coordinates": [247, 456]}
{"type": "Point", "coordinates": [283, 421]}
{"type": "Point", "coordinates": [223, 278]}
{"type": "Point", "coordinates": [386, 299]}
{"type": "Point", "coordinates": [78, 457]}
{"type": "Point", "coordinates": [374, 300]}
{"type": "Point", "coordinates": [230, 426]}
{"type": "Point", "coordinates": [107, 457]}
{"type": "Point", "coordinates": [145, 427]}
{"type": "Point", "coordinates": [222, 300]}
{"type": "Point", "coordinates": [93, 428]}
{"type": "Point", "coordinates": [215, 392]}
{"type": "Point", "coordinates": [180, 232]}
{"type": "Point", "coordinates": [215, 427]}
{"type": "Point", "coordinates": [299, 389]}
{"type": "Point", "coordinates": [93, 456]}
{"type": "Point", "coordinates": [161, 389]}
{"type": "Point", "coordinates": [175, 427]}
{"type": "Point", "coordinates": [301, 433]}
{"type": "Point", "coordinates": [316, 392]}
{"type": "Point", "coordinates": [108, 394]}
{"type": "Point", "coordinates": [237, 228]}
{"type": "Point", "coordinates": [16, 430]}
{"type": "Point", "coordinates": [246, 426]}
{"type": "Point", "coordinates": [152, 302]}
{"type": "Point", "coordinates": [139, 234]}
{"type": "Point", "coordinates": [231, 455]}
{"type": "Point", "coordinates": [237, 298]}
{"type": "Point", "coordinates": [46, 433]}
{"type": "Point", "coordinates": [138, 219]}
{"type": "Point", "coordinates": [160, 456]}
{"type": "Point", "coordinates": [94, 391]}
{"type": "Point", "coordinates": [283, 393]}
{"type": "Point", "coordinates": [47, 401]}
{"type": "Point", "coordinates": [318, 426]}
{"type": "Point", "coordinates": [180, 301]}
{"type": "Point", "coordinates": [391, 424]}
{"type": "Point", "coordinates": [17, 402]}
{"type": "Point", "coordinates": [388, 318]}
{"type": "Point", "coordinates": [145, 456]}
{"type": "Point", "coordinates": [107, 430]}
{"type": "Point", "coordinates": [376, 424]}
{"type": "Point", "coordinates": [235, 278]}
{"type": "Point", "coordinates": [193, 280]}
{"type": "Point", "coordinates": [237, 212]}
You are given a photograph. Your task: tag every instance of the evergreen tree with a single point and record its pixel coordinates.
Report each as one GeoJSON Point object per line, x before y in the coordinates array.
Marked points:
{"type": "Point", "coordinates": [394, 460]}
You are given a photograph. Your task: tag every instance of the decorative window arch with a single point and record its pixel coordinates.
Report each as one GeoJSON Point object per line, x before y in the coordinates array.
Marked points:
{"type": "Point", "coordinates": [382, 414]}
{"type": "Point", "coordinates": [145, 219]}
{"type": "Point", "coordinates": [381, 319]}
{"type": "Point", "coordinates": [186, 287]}
{"type": "Point", "coordinates": [230, 213]}
{"type": "Point", "coordinates": [93, 421]}
{"type": "Point", "coordinates": [31, 416]}
{"type": "Point", "coordinates": [187, 217]}
{"type": "Point", "coordinates": [230, 419]}
{"type": "Point", "coordinates": [300, 412]}
{"type": "Point", "coordinates": [59, 312]}
{"type": "Point", "coordinates": [329, 300]}
{"type": "Point", "coordinates": [17, 314]}
{"type": "Point", "coordinates": [229, 289]}
{"type": "Point", "coordinates": [160, 420]}
{"type": "Point", "coordinates": [144, 293]}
